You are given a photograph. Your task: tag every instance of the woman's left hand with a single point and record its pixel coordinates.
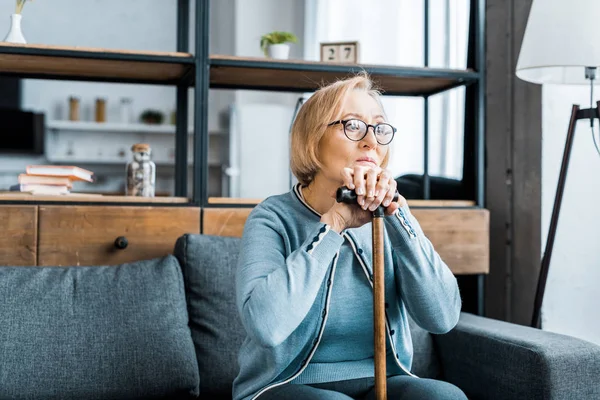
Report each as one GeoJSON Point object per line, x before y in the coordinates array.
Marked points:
{"type": "Point", "coordinates": [374, 186]}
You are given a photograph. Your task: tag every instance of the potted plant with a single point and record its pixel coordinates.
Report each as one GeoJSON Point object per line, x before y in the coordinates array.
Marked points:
{"type": "Point", "coordinates": [275, 44]}
{"type": "Point", "coordinates": [154, 117]}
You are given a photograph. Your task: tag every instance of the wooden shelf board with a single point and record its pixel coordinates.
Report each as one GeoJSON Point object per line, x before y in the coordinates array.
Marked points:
{"type": "Point", "coordinates": [441, 203]}
{"type": "Point", "coordinates": [305, 76]}
{"type": "Point", "coordinates": [83, 63]}
{"type": "Point", "coordinates": [411, 203]}
{"type": "Point", "coordinates": [89, 197]}
{"type": "Point", "coordinates": [232, 200]}
{"type": "Point", "coordinates": [99, 64]}
{"type": "Point", "coordinates": [116, 127]}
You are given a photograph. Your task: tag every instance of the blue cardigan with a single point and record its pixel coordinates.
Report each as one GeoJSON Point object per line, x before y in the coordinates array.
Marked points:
{"type": "Point", "coordinates": [284, 278]}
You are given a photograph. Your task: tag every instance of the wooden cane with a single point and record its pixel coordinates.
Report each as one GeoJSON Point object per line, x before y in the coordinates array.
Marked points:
{"type": "Point", "coordinates": [345, 195]}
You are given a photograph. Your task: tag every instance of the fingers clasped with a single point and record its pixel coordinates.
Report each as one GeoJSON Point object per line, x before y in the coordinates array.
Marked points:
{"type": "Point", "coordinates": [374, 186]}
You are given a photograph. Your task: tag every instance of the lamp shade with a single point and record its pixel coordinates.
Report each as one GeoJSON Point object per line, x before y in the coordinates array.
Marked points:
{"type": "Point", "coordinates": [562, 37]}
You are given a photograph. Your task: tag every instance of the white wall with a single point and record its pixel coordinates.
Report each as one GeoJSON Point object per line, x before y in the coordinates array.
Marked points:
{"type": "Point", "coordinates": [572, 292]}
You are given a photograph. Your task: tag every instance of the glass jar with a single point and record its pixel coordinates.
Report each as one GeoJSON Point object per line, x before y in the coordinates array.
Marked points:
{"type": "Point", "coordinates": [141, 172]}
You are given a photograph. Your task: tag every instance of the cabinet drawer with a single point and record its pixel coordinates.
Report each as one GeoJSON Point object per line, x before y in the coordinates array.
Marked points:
{"type": "Point", "coordinates": [110, 235]}
{"type": "Point", "coordinates": [18, 239]}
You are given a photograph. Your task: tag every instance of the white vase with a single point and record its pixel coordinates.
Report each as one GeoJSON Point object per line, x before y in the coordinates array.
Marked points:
{"type": "Point", "coordinates": [14, 34]}
{"type": "Point", "coordinates": [279, 51]}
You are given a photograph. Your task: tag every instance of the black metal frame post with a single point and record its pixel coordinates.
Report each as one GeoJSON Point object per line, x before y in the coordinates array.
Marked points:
{"type": "Point", "coordinates": [480, 104]}
{"type": "Point", "coordinates": [474, 139]}
{"type": "Point", "coordinates": [480, 130]}
{"type": "Point", "coordinates": [201, 106]}
{"type": "Point", "coordinates": [426, 180]}
{"type": "Point", "coordinates": [181, 108]}
{"type": "Point", "coordinates": [576, 114]}
{"type": "Point", "coordinates": [473, 181]}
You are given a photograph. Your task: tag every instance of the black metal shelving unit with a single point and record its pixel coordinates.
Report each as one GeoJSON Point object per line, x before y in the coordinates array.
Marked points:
{"type": "Point", "coordinates": [203, 72]}
{"type": "Point", "coordinates": [225, 72]}
{"type": "Point", "coordinates": [229, 72]}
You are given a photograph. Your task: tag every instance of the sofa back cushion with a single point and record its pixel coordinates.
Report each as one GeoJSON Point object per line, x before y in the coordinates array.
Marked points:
{"type": "Point", "coordinates": [208, 263]}
{"type": "Point", "coordinates": [95, 332]}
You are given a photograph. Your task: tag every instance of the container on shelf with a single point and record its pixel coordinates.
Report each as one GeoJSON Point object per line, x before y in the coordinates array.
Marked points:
{"type": "Point", "coordinates": [279, 51]}
{"type": "Point", "coordinates": [141, 172]}
{"type": "Point", "coordinates": [126, 110]}
{"type": "Point", "coordinates": [100, 110]}
{"type": "Point", "coordinates": [74, 108]}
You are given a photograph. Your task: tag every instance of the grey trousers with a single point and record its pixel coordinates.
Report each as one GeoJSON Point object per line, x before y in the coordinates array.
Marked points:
{"type": "Point", "coordinates": [399, 387]}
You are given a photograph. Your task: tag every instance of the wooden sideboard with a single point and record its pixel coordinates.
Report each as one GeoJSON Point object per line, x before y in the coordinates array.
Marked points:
{"type": "Point", "coordinates": [61, 235]}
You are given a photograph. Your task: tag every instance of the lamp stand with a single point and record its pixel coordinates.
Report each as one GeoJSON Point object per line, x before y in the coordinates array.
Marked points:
{"type": "Point", "coordinates": [576, 115]}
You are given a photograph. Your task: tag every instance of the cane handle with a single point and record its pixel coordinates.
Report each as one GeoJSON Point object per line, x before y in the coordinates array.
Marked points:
{"type": "Point", "coordinates": [348, 196]}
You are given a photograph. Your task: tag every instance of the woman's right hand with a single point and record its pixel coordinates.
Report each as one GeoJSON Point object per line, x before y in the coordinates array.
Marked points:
{"type": "Point", "coordinates": [344, 216]}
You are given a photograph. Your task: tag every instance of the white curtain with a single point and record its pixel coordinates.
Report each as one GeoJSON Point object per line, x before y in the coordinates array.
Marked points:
{"type": "Point", "coordinates": [391, 32]}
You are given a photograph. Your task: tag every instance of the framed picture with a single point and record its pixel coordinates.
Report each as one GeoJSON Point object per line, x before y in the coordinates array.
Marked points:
{"type": "Point", "coordinates": [341, 52]}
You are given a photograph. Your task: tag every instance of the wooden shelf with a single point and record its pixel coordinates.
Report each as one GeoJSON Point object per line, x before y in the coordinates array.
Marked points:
{"type": "Point", "coordinates": [229, 72]}
{"type": "Point", "coordinates": [231, 201]}
{"type": "Point", "coordinates": [226, 72]}
{"type": "Point", "coordinates": [93, 64]}
{"type": "Point", "coordinates": [88, 197]}
{"type": "Point", "coordinates": [112, 127]}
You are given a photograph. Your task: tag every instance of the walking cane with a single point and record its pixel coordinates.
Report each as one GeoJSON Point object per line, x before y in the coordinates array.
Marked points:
{"type": "Point", "coordinates": [345, 195]}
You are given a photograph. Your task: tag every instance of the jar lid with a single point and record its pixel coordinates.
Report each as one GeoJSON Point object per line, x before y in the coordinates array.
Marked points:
{"type": "Point", "coordinates": [140, 147]}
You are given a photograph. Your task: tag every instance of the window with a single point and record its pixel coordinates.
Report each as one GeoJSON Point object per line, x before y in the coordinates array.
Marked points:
{"type": "Point", "coordinates": [391, 32]}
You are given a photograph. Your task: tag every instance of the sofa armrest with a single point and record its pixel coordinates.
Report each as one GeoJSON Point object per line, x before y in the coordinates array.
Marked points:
{"type": "Point", "coordinates": [491, 359]}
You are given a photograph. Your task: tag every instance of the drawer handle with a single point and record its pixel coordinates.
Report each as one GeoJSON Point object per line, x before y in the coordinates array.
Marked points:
{"type": "Point", "coordinates": [121, 242]}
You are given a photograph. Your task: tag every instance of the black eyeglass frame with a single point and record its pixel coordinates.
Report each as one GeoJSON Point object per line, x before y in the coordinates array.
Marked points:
{"type": "Point", "coordinates": [345, 121]}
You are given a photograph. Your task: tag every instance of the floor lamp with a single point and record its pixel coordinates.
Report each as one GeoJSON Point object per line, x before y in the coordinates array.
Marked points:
{"type": "Point", "coordinates": [561, 45]}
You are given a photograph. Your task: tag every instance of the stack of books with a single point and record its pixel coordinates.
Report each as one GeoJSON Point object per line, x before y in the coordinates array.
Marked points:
{"type": "Point", "coordinates": [50, 179]}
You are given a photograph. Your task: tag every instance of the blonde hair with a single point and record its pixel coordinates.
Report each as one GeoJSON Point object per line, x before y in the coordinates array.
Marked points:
{"type": "Point", "coordinates": [323, 107]}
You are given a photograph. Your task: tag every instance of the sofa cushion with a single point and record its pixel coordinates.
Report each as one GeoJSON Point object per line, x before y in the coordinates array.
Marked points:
{"type": "Point", "coordinates": [95, 332]}
{"type": "Point", "coordinates": [209, 264]}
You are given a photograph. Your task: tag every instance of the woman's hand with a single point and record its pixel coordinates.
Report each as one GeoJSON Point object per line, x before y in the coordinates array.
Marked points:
{"type": "Point", "coordinates": [374, 187]}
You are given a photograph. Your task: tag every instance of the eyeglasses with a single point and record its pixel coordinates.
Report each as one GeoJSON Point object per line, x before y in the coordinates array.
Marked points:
{"type": "Point", "coordinates": [356, 130]}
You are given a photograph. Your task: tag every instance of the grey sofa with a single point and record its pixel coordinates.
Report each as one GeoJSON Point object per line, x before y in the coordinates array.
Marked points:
{"type": "Point", "coordinates": [168, 328]}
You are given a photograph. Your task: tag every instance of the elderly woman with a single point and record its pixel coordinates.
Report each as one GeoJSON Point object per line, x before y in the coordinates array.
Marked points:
{"type": "Point", "coordinates": [304, 289]}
